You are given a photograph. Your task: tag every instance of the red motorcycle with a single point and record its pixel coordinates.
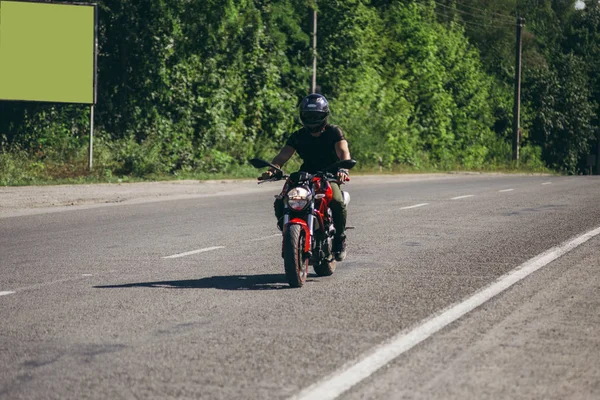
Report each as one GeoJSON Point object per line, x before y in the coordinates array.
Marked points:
{"type": "Point", "coordinates": [307, 223]}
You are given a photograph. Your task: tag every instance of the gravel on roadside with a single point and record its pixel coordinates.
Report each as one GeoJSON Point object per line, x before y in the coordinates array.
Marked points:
{"type": "Point", "coordinates": [27, 200]}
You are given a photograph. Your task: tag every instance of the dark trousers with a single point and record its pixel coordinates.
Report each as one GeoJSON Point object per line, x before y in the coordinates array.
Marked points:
{"type": "Point", "coordinates": [338, 209]}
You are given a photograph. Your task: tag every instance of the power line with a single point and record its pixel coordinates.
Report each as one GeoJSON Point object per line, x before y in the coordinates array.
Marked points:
{"type": "Point", "coordinates": [450, 17]}
{"type": "Point", "coordinates": [499, 24]}
{"type": "Point", "coordinates": [481, 9]}
{"type": "Point", "coordinates": [467, 13]}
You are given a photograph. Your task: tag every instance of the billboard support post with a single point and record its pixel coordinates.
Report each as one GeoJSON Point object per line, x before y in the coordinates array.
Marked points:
{"type": "Point", "coordinates": [91, 147]}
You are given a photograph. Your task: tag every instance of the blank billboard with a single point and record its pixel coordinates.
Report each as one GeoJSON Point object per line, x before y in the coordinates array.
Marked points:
{"type": "Point", "coordinates": [48, 52]}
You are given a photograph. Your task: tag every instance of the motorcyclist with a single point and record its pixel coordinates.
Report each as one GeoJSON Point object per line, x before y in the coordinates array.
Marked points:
{"type": "Point", "coordinates": [319, 144]}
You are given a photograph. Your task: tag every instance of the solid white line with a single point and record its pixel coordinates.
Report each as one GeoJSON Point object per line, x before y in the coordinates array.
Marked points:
{"type": "Point", "coordinates": [462, 197]}
{"type": "Point", "coordinates": [348, 376]}
{"type": "Point", "coordinates": [266, 237]}
{"type": "Point", "coordinates": [189, 253]}
{"type": "Point", "coordinates": [6, 293]}
{"type": "Point", "coordinates": [415, 206]}
{"type": "Point", "coordinates": [505, 190]}
{"type": "Point", "coordinates": [547, 183]}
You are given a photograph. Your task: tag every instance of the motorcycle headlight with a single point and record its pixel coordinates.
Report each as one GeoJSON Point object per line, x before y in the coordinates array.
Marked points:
{"type": "Point", "coordinates": [298, 198]}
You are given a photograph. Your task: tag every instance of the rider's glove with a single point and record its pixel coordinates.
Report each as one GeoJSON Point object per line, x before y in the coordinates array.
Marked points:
{"type": "Point", "coordinates": [268, 174]}
{"type": "Point", "coordinates": [343, 175]}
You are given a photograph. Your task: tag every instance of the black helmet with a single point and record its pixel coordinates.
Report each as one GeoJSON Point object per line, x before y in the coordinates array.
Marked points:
{"type": "Point", "coordinates": [314, 111]}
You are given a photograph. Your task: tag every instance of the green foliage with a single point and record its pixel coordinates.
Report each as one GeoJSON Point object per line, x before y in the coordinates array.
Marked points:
{"type": "Point", "coordinates": [15, 168]}
{"type": "Point", "coordinates": [583, 37]}
{"type": "Point", "coordinates": [199, 87]}
{"type": "Point", "coordinates": [139, 158]}
{"type": "Point", "coordinates": [565, 136]}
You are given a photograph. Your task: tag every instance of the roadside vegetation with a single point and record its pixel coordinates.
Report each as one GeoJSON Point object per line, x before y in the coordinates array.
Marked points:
{"type": "Point", "coordinates": [192, 90]}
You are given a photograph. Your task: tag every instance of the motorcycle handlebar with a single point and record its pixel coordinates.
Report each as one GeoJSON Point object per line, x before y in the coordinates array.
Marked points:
{"type": "Point", "coordinates": [274, 179]}
{"type": "Point", "coordinates": [328, 176]}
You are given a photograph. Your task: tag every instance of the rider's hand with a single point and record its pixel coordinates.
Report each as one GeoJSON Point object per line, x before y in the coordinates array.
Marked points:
{"type": "Point", "coordinates": [267, 174]}
{"type": "Point", "coordinates": [343, 175]}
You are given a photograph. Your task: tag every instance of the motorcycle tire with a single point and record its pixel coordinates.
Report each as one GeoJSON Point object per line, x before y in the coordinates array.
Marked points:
{"type": "Point", "coordinates": [296, 267]}
{"type": "Point", "coordinates": [325, 268]}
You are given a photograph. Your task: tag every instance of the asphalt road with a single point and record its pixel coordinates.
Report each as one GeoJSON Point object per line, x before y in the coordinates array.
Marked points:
{"type": "Point", "coordinates": [91, 306]}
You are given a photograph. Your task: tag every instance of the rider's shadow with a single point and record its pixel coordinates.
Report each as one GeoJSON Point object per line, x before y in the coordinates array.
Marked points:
{"type": "Point", "coordinates": [227, 282]}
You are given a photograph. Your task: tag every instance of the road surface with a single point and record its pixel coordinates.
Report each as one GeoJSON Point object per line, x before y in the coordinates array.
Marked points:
{"type": "Point", "coordinates": [455, 287]}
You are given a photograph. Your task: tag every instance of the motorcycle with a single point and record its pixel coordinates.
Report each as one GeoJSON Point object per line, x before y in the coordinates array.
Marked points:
{"type": "Point", "coordinates": [307, 222]}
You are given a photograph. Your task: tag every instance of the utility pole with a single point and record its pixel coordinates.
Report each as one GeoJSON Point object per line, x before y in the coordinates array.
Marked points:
{"type": "Point", "coordinates": [517, 106]}
{"type": "Point", "coordinates": [314, 75]}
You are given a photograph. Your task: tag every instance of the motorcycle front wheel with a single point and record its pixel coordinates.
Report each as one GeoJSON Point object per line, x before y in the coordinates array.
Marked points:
{"type": "Point", "coordinates": [296, 267]}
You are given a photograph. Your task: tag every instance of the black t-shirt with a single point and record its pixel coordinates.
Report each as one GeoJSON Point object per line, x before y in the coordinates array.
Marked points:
{"type": "Point", "coordinates": [316, 152]}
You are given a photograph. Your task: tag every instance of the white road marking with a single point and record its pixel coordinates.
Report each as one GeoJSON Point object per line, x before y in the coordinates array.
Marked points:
{"type": "Point", "coordinates": [462, 197]}
{"type": "Point", "coordinates": [547, 183]}
{"type": "Point", "coordinates": [505, 190]}
{"type": "Point", "coordinates": [266, 237]}
{"type": "Point", "coordinates": [6, 293]}
{"type": "Point", "coordinates": [348, 376]}
{"type": "Point", "coordinates": [415, 206]}
{"type": "Point", "coordinates": [86, 275]}
{"type": "Point", "coordinates": [42, 284]}
{"type": "Point", "coordinates": [189, 253]}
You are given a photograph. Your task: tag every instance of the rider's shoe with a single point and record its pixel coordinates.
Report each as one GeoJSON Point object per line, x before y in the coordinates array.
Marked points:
{"type": "Point", "coordinates": [339, 247]}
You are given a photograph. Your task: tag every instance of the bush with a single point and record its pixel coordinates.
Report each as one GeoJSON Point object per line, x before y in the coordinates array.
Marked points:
{"type": "Point", "coordinates": [16, 168]}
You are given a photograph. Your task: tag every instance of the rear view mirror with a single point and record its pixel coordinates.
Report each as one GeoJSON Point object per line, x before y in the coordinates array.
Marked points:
{"type": "Point", "coordinates": [258, 163]}
{"type": "Point", "coordinates": [347, 164]}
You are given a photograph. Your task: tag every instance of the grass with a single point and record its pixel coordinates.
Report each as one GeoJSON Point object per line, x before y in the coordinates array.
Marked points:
{"type": "Point", "coordinates": [19, 170]}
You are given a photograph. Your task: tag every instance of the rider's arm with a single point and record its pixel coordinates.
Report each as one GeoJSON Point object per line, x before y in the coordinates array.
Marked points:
{"type": "Point", "coordinates": [284, 155]}
{"type": "Point", "coordinates": [342, 151]}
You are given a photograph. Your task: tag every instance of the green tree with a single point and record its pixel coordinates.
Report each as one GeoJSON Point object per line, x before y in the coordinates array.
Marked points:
{"type": "Point", "coordinates": [562, 123]}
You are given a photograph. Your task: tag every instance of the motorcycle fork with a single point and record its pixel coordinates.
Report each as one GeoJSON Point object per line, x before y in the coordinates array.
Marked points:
{"type": "Point", "coordinates": [307, 225]}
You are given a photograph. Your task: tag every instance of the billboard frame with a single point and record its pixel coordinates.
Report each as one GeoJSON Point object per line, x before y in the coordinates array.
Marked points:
{"type": "Point", "coordinates": [95, 55]}
{"type": "Point", "coordinates": [94, 72]}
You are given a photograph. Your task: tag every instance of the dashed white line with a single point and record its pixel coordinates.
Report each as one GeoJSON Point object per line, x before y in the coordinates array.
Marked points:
{"type": "Point", "coordinates": [505, 190]}
{"type": "Point", "coordinates": [6, 293]}
{"type": "Point", "coordinates": [462, 197]}
{"type": "Point", "coordinates": [189, 253]}
{"type": "Point", "coordinates": [415, 206]}
{"type": "Point", "coordinates": [265, 238]}
{"type": "Point", "coordinates": [42, 284]}
{"type": "Point", "coordinates": [347, 377]}
{"type": "Point", "coordinates": [547, 183]}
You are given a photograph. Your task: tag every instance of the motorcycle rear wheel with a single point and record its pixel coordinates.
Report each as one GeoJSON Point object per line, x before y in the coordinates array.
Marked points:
{"type": "Point", "coordinates": [325, 268]}
{"type": "Point", "coordinates": [296, 267]}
